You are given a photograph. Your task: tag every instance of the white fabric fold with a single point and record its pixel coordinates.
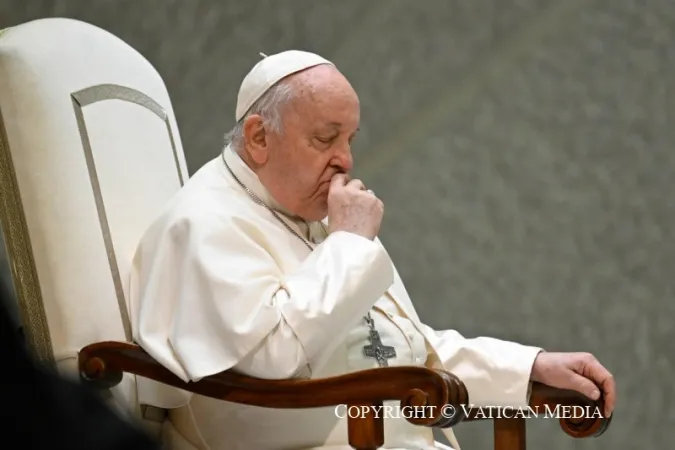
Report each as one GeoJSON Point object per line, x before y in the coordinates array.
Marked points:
{"type": "Point", "coordinates": [337, 285]}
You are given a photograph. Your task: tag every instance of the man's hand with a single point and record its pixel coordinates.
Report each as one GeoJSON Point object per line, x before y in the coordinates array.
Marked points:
{"type": "Point", "coordinates": [351, 208]}
{"type": "Point", "coordinates": [580, 372]}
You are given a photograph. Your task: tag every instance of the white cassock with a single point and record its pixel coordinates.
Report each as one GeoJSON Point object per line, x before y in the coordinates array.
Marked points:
{"type": "Point", "coordinates": [219, 283]}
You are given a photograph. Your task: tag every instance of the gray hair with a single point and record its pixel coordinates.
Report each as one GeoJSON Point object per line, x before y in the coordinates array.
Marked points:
{"type": "Point", "coordinates": [269, 106]}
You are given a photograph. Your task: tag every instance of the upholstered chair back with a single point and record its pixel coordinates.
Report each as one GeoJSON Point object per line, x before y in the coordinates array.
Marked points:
{"type": "Point", "coordinates": [89, 155]}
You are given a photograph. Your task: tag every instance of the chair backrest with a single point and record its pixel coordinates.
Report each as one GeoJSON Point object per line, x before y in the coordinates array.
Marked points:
{"type": "Point", "coordinates": [89, 154]}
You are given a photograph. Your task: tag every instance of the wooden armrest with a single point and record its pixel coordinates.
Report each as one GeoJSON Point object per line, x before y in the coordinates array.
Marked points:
{"type": "Point", "coordinates": [102, 365]}
{"type": "Point", "coordinates": [578, 415]}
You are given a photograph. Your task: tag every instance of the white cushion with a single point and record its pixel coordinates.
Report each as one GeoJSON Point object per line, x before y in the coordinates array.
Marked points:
{"type": "Point", "coordinates": [95, 152]}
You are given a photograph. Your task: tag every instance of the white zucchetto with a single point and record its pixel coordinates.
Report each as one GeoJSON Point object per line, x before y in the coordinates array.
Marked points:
{"type": "Point", "coordinates": [268, 71]}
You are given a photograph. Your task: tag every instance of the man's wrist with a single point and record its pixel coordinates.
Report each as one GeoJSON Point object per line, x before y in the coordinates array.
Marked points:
{"type": "Point", "coordinates": [535, 374]}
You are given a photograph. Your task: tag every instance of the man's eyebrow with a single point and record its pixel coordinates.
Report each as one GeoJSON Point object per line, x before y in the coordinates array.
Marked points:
{"type": "Point", "coordinates": [328, 126]}
{"type": "Point", "coordinates": [335, 125]}
{"type": "Point", "coordinates": [339, 125]}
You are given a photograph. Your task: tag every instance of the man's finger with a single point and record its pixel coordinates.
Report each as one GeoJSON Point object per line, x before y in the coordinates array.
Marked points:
{"type": "Point", "coordinates": [601, 377]}
{"type": "Point", "coordinates": [339, 180]}
{"type": "Point", "coordinates": [609, 395]}
{"type": "Point", "coordinates": [358, 184]}
{"type": "Point", "coordinates": [585, 386]}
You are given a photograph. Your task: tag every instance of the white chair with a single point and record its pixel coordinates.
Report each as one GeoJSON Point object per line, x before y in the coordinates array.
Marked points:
{"type": "Point", "coordinates": [89, 155]}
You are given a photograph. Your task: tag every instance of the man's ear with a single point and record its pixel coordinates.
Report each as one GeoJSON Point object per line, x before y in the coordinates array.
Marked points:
{"type": "Point", "coordinates": [256, 139]}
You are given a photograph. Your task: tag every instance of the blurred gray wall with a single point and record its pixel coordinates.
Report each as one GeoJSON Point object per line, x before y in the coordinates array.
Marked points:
{"type": "Point", "coordinates": [523, 149]}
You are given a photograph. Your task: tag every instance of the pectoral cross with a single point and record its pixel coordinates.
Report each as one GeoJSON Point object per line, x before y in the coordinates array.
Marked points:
{"type": "Point", "coordinates": [377, 350]}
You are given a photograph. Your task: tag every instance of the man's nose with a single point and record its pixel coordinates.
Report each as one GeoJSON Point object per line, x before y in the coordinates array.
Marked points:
{"type": "Point", "coordinates": [344, 159]}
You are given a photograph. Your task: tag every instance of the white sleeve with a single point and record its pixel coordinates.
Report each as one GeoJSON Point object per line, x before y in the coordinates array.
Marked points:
{"type": "Point", "coordinates": [336, 286]}
{"type": "Point", "coordinates": [495, 372]}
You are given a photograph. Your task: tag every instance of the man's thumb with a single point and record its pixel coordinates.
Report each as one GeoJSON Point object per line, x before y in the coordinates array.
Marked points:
{"type": "Point", "coordinates": [338, 180]}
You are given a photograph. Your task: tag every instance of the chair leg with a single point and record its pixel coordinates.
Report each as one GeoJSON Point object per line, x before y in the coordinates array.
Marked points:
{"type": "Point", "coordinates": [510, 434]}
{"type": "Point", "coordinates": [366, 429]}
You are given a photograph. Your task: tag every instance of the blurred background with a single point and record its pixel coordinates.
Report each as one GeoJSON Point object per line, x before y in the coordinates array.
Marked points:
{"type": "Point", "coordinates": [523, 149]}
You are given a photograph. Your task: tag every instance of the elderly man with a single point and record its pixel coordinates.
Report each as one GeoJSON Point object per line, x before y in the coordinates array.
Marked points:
{"type": "Point", "coordinates": [267, 262]}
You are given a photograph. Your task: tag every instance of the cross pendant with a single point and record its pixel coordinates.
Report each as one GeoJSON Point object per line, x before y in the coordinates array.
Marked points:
{"type": "Point", "coordinates": [377, 350]}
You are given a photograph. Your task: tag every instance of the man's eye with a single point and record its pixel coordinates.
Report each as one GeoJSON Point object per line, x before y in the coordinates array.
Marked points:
{"type": "Point", "coordinates": [325, 140]}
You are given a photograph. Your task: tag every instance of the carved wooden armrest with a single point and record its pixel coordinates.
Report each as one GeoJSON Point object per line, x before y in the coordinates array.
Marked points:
{"type": "Point", "coordinates": [579, 416]}
{"type": "Point", "coordinates": [102, 365]}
